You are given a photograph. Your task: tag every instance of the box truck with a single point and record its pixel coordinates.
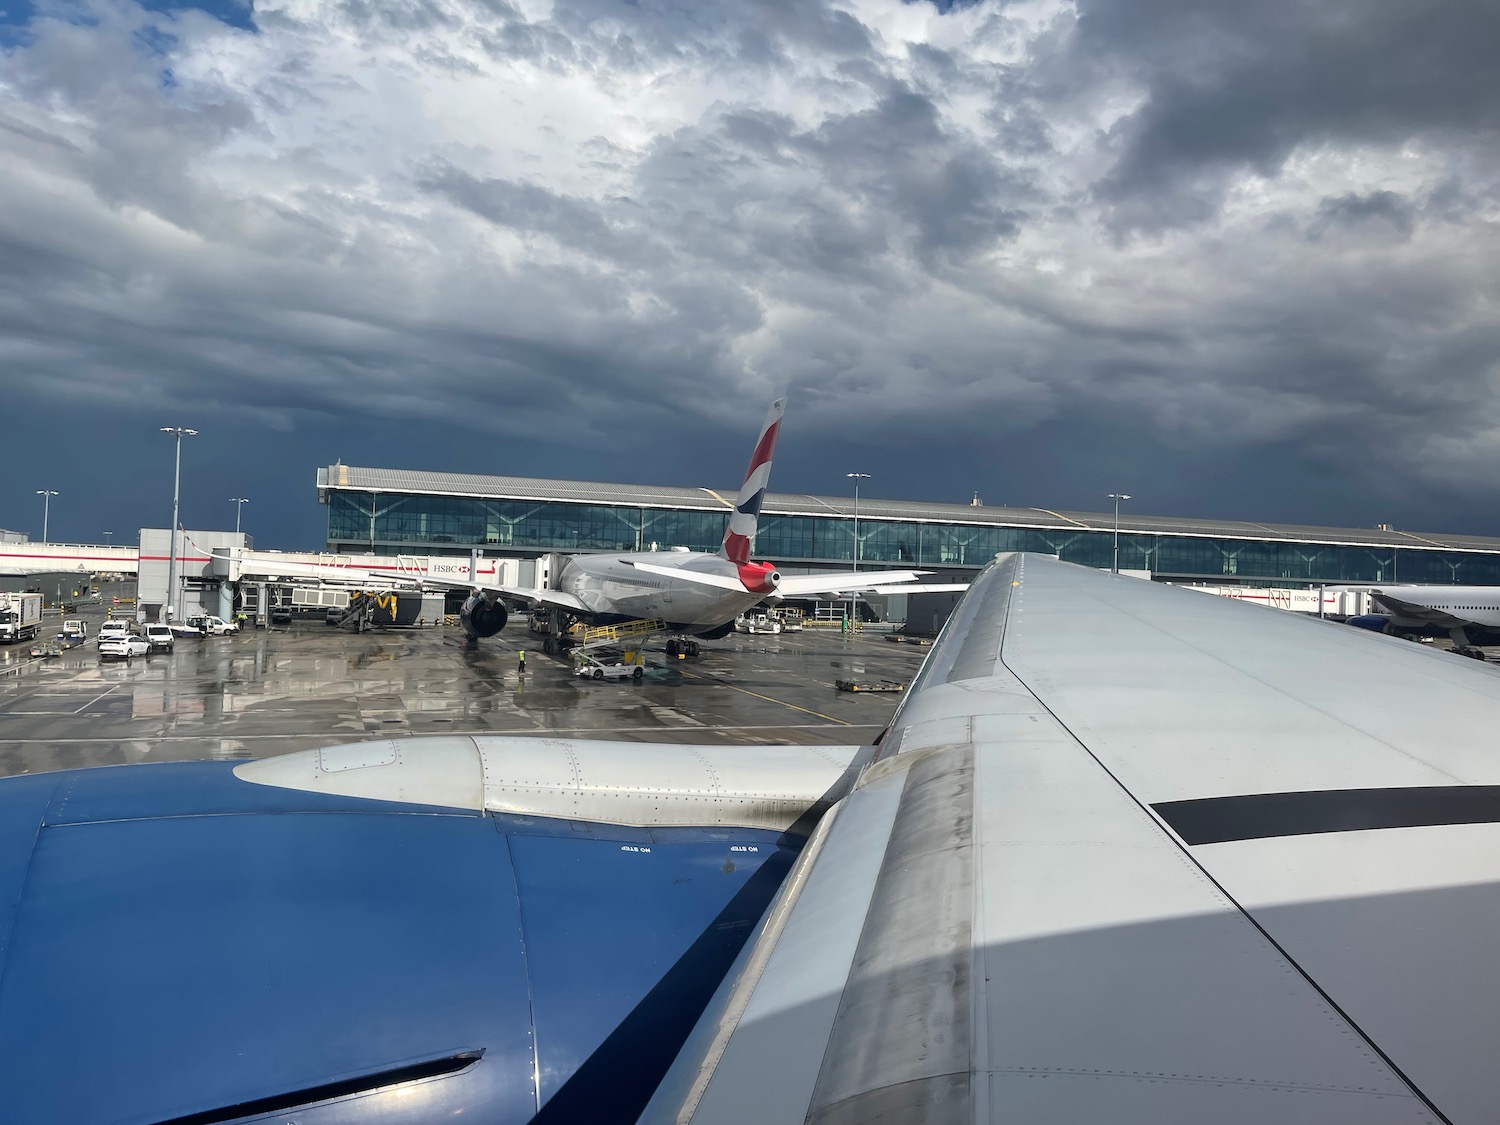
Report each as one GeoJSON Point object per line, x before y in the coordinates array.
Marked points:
{"type": "Point", "coordinates": [20, 617]}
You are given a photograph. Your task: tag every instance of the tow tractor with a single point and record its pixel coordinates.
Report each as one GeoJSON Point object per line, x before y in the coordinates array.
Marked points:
{"type": "Point", "coordinates": [757, 623]}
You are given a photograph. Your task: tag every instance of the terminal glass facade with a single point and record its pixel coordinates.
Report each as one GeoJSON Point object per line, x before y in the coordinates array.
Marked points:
{"type": "Point", "coordinates": [400, 523]}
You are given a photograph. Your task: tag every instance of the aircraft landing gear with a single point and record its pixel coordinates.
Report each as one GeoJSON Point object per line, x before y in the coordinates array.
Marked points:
{"type": "Point", "coordinates": [1471, 652]}
{"type": "Point", "coordinates": [685, 647]}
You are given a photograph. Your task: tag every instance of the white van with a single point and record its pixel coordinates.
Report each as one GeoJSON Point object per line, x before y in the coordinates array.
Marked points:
{"type": "Point", "coordinates": [113, 628]}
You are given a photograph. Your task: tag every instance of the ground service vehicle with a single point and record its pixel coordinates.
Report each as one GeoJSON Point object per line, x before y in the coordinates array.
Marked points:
{"type": "Point", "coordinates": [20, 617]}
{"type": "Point", "coordinates": [757, 623]}
{"type": "Point", "coordinates": [113, 630]}
{"type": "Point", "coordinates": [211, 626]}
{"type": "Point", "coordinates": [124, 647]}
{"type": "Point", "coordinates": [160, 636]}
{"type": "Point", "coordinates": [591, 668]}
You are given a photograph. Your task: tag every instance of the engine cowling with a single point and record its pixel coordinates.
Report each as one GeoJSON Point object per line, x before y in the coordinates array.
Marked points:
{"type": "Point", "coordinates": [1375, 622]}
{"type": "Point", "coordinates": [759, 578]}
{"type": "Point", "coordinates": [482, 617]}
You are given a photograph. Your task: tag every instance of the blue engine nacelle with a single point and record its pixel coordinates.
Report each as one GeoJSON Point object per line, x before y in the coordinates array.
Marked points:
{"type": "Point", "coordinates": [481, 617]}
{"type": "Point", "coordinates": [232, 951]}
{"type": "Point", "coordinates": [1375, 622]}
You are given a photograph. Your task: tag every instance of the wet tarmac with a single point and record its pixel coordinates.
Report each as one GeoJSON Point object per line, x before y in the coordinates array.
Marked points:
{"type": "Point", "coordinates": [304, 685]}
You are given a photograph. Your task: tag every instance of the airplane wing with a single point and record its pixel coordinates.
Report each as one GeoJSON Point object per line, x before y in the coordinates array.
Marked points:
{"type": "Point", "coordinates": [532, 595]}
{"type": "Point", "coordinates": [1413, 612]}
{"type": "Point", "coordinates": [715, 581]}
{"type": "Point", "coordinates": [1129, 855]}
{"type": "Point", "coordinates": [805, 585]}
{"type": "Point", "coordinates": [849, 582]}
{"type": "Point", "coordinates": [554, 599]}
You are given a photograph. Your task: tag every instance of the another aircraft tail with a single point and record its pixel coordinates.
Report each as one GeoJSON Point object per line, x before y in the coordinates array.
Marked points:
{"type": "Point", "coordinates": [747, 504]}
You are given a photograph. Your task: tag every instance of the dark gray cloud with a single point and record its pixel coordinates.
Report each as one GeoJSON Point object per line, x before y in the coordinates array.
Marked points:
{"type": "Point", "coordinates": [1242, 255]}
{"type": "Point", "coordinates": [1367, 216]}
{"type": "Point", "coordinates": [1236, 87]}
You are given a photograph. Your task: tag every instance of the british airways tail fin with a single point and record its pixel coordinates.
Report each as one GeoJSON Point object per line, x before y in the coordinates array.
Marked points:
{"type": "Point", "coordinates": [747, 504]}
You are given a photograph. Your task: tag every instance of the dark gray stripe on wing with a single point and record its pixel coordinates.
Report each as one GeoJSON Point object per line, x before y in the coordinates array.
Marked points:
{"type": "Point", "coordinates": [1258, 816]}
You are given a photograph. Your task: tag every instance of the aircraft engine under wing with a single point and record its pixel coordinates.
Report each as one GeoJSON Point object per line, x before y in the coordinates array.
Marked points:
{"type": "Point", "coordinates": [1132, 853]}
{"type": "Point", "coordinates": [398, 931]}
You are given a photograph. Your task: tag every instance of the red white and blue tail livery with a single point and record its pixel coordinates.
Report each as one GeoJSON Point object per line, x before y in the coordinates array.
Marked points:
{"type": "Point", "coordinates": [741, 531]}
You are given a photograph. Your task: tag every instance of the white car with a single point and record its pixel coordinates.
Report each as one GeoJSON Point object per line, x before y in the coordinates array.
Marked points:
{"type": "Point", "coordinates": [124, 647]}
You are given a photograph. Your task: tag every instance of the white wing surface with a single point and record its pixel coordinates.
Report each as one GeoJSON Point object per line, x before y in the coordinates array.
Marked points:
{"type": "Point", "coordinates": [806, 585]}
{"type": "Point", "coordinates": [533, 596]}
{"type": "Point", "coordinates": [851, 582]}
{"type": "Point", "coordinates": [1132, 854]}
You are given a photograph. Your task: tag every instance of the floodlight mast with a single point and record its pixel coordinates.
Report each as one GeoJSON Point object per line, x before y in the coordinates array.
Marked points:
{"type": "Point", "coordinates": [239, 503]}
{"type": "Point", "coordinates": [173, 608]}
{"type": "Point", "coordinates": [853, 595]}
{"type": "Point", "coordinates": [1117, 497]}
{"type": "Point", "coordinates": [46, 494]}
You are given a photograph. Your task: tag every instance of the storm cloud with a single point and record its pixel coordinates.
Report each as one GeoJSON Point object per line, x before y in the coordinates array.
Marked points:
{"type": "Point", "coordinates": [1116, 239]}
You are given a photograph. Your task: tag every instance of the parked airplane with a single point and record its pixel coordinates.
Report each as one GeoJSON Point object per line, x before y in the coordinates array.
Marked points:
{"type": "Point", "coordinates": [695, 594]}
{"type": "Point", "coordinates": [1124, 853]}
{"type": "Point", "coordinates": [1470, 615]}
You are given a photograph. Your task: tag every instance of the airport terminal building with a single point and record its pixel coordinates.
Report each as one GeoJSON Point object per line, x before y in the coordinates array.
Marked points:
{"type": "Point", "coordinates": [398, 512]}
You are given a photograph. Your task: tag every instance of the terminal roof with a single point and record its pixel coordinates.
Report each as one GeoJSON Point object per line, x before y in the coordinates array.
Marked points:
{"type": "Point", "coordinates": [358, 479]}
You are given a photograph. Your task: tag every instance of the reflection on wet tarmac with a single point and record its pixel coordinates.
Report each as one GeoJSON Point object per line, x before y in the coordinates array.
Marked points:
{"type": "Point", "coordinates": [297, 687]}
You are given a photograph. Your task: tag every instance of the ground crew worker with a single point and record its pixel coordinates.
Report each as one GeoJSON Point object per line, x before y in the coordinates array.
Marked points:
{"type": "Point", "coordinates": [521, 660]}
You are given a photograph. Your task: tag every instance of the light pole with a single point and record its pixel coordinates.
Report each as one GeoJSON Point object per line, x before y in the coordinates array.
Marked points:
{"type": "Point", "coordinates": [46, 494]}
{"type": "Point", "coordinates": [239, 503]}
{"type": "Point", "coordinates": [108, 536]}
{"type": "Point", "coordinates": [172, 608]}
{"type": "Point", "coordinates": [1117, 497]}
{"type": "Point", "coordinates": [854, 595]}
{"type": "Point", "coordinates": [856, 478]}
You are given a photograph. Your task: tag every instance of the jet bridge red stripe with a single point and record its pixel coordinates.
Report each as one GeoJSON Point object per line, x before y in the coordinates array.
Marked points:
{"type": "Point", "coordinates": [1259, 816]}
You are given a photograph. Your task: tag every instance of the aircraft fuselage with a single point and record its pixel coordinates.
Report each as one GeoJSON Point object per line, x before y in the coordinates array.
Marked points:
{"type": "Point", "coordinates": [614, 590]}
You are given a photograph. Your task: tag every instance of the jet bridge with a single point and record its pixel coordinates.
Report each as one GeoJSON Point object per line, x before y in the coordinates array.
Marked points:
{"type": "Point", "coordinates": [345, 581]}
